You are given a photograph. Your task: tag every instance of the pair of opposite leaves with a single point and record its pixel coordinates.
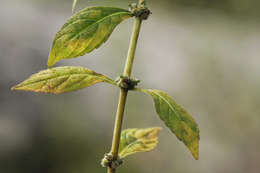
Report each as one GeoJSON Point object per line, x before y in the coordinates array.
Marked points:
{"type": "Point", "coordinates": [81, 34]}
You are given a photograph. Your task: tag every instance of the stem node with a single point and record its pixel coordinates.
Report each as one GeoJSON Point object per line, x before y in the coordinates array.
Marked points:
{"type": "Point", "coordinates": [127, 83]}
{"type": "Point", "coordinates": [110, 162]}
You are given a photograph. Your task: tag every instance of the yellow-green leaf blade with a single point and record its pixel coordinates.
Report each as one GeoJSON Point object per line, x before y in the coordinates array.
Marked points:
{"type": "Point", "coordinates": [62, 79]}
{"type": "Point", "coordinates": [138, 140]}
{"type": "Point", "coordinates": [85, 31]}
{"type": "Point", "coordinates": [177, 120]}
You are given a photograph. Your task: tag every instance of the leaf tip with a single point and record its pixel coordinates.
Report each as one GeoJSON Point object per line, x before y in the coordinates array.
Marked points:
{"type": "Point", "coordinates": [194, 149]}
{"type": "Point", "coordinates": [156, 130]}
{"type": "Point", "coordinates": [53, 58]}
{"type": "Point", "coordinates": [196, 156]}
{"type": "Point", "coordinates": [50, 62]}
{"type": "Point", "coordinates": [196, 153]}
{"type": "Point", "coordinates": [14, 88]}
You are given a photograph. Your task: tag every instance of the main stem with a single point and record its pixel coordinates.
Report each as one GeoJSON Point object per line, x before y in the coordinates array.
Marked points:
{"type": "Point", "coordinates": [123, 92]}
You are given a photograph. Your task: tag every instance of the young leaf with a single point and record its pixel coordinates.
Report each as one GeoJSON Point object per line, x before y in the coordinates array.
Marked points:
{"type": "Point", "coordinates": [85, 31]}
{"type": "Point", "coordinates": [177, 119]}
{"type": "Point", "coordinates": [138, 140]}
{"type": "Point", "coordinates": [62, 79]}
{"type": "Point", "coordinates": [74, 5]}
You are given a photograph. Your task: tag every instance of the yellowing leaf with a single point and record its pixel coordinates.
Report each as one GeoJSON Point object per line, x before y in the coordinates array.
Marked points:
{"type": "Point", "coordinates": [62, 79]}
{"type": "Point", "coordinates": [177, 119]}
{"type": "Point", "coordinates": [138, 140]}
{"type": "Point", "coordinates": [85, 31]}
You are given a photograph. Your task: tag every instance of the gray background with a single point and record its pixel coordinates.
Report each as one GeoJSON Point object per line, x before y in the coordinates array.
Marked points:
{"type": "Point", "coordinates": [203, 53]}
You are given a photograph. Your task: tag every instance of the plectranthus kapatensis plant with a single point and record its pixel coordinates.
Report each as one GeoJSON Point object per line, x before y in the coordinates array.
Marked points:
{"type": "Point", "coordinates": [81, 34]}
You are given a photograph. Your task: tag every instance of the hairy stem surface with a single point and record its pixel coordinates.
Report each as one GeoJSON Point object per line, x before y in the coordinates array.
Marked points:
{"type": "Point", "coordinates": [123, 93]}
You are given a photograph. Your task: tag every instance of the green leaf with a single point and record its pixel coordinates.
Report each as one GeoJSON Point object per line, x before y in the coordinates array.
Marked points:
{"type": "Point", "coordinates": [85, 31]}
{"type": "Point", "coordinates": [62, 79]}
{"type": "Point", "coordinates": [138, 140]}
{"type": "Point", "coordinates": [177, 119]}
{"type": "Point", "coordinates": [74, 5]}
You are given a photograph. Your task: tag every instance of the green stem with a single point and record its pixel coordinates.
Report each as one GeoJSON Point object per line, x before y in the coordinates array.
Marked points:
{"type": "Point", "coordinates": [123, 93]}
{"type": "Point", "coordinates": [132, 48]}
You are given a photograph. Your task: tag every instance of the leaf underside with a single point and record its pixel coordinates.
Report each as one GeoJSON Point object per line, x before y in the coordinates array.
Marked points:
{"type": "Point", "coordinates": [177, 120]}
{"type": "Point", "coordinates": [85, 31]}
{"type": "Point", "coordinates": [138, 140]}
{"type": "Point", "coordinates": [62, 79]}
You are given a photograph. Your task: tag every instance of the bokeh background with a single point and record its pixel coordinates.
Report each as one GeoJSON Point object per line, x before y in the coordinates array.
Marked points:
{"type": "Point", "coordinates": [203, 53]}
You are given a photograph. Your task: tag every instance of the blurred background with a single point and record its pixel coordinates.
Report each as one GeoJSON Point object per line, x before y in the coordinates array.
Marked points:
{"type": "Point", "coordinates": [203, 53]}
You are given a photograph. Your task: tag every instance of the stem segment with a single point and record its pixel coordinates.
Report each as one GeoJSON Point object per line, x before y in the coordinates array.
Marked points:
{"type": "Point", "coordinates": [132, 48]}
{"type": "Point", "coordinates": [123, 93]}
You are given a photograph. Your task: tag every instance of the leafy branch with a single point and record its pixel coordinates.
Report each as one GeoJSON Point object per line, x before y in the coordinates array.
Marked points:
{"type": "Point", "coordinates": [81, 34]}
